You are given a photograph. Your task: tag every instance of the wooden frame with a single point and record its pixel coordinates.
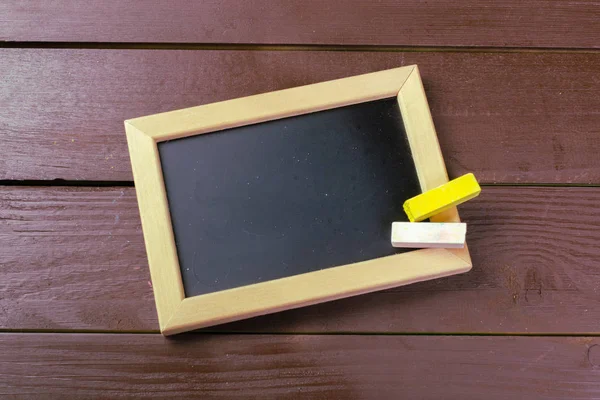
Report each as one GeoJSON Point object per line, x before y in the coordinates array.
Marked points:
{"type": "Point", "coordinates": [176, 313]}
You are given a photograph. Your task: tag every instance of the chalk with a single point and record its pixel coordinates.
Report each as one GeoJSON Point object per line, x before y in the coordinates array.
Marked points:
{"type": "Point", "coordinates": [441, 198]}
{"type": "Point", "coordinates": [429, 234]}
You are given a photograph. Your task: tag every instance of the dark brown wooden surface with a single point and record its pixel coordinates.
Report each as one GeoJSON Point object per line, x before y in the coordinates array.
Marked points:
{"type": "Point", "coordinates": [535, 23]}
{"type": "Point", "coordinates": [73, 258]}
{"type": "Point", "coordinates": [298, 366]}
{"type": "Point", "coordinates": [507, 117]}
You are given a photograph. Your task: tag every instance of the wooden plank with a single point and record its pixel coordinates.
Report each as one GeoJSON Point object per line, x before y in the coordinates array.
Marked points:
{"type": "Point", "coordinates": [535, 23]}
{"type": "Point", "coordinates": [306, 366]}
{"type": "Point", "coordinates": [506, 117]}
{"type": "Point", "coordinates": [73, 258]}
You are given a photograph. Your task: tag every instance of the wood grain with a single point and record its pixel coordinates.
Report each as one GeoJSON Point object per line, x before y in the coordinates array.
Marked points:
{"type": "Point", "coordinates": [73, 258]}
{"type": "Point", "coordinates": [301, 367]}
{"type": "Point", "coordinates": [507, 117]}
{"type": "Point", "coordinates": [167, 282]}
{"type": "Point", "coordinates": [536, 23]}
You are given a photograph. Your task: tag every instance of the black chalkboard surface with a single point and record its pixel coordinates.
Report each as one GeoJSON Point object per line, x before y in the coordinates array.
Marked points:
{"type": "Point", "coordinates": [286, 197]}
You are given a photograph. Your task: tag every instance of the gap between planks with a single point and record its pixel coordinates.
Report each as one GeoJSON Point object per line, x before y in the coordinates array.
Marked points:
{"type": "Point", "coordinates": [208, 331]}
{"type": "Point", "coordinates": [287, 47]}
{"type": "Point", "coordinates": [64, 183]}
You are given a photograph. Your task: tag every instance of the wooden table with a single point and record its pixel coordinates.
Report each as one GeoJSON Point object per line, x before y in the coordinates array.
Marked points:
{"type": "Point", "coordinates": [514, 89]}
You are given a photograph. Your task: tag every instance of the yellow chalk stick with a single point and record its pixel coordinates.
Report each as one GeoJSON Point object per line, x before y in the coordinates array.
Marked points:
{"type": "Point", "coordinates": [441, 198]}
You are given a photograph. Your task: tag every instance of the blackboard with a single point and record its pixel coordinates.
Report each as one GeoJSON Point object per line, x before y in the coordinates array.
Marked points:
{"type": "Point", "coordinates": [285, 199]}
{"type": "Point", "coordinates": [290, 196]}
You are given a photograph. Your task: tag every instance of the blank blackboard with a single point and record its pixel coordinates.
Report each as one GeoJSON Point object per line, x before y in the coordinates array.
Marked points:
{"type": "Point", "coordinates": [289, 196]}
{"type": "Point", "coordinates": [286, 199]}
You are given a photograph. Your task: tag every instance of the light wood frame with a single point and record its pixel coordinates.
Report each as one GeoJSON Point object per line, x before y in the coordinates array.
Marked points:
{"type": "Point", "coordinates": [176, 313]}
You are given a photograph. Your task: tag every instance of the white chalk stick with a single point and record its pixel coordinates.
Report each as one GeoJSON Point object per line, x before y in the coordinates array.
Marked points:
{"type": "Point", "coordinates": [429, 234]}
